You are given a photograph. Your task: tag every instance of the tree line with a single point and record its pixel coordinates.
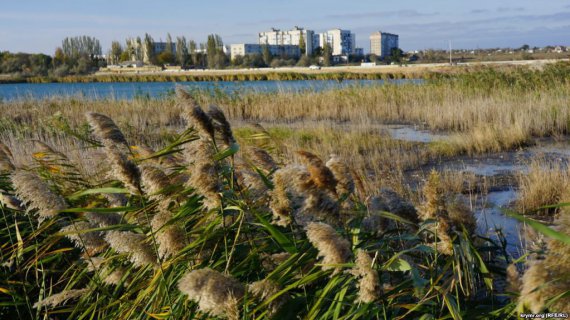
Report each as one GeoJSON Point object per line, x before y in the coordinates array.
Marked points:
{"type": "Point", "coordinates": [83, 55]}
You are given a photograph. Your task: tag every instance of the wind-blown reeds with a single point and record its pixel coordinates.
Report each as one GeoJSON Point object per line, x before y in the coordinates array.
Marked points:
{"type": "Point", "coordinates": [171, 238]}
{"type": "Point", "coordinates": [194, 115]}
{"type": "Point", "coordinates": [106, 129]}
{"type": "Point", "coordinates": [266, 289]}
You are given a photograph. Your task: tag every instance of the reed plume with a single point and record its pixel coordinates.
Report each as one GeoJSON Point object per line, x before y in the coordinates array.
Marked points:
{"type": "Point", "coordinates": [216, 293]}
{"type": "Point", "coordinates": [11, 202]}
{"type": "Point", "coordinates": [434, 208]}
{"type": "Point", "coordinates": [345, 183]}
{"type": "Point", "coordinates": [171, 238]}
{"type": "Point", "coordinates": [265, 289]}
{"type": "Point", "coordinates": [369, 285]}
{"type": "Point", "coordinates": [124, 170]}
{"type": "Point", "coordinates": [222, 125]}
{"type": "Point", "coordinates": [320, 174]}
{"type": "Point", "coordinates": [103, 219]}
{"type": "Point", "coordinates": [154, 182]}
{"type": "Point", "coordinates": [204, 174]}
{"type": "Point", "coordinates": [37, 195]}
{"type": "Point", "coordinates": [547, 279]}
{"type": "Point", "coordinates": [61, 298]}
{"type": "Point", "coordinates": [106, 129]}
{"type": "Point", "coordinates": [135, 245]}
{"type": "Point", "coordinates": [287, 196]}
{"type": "Point", "coordinates": [91, 242]}
{"type": "Point", "coordinates": [109, 275]}
{"type": "Point", "coordinates": [262, 159]}
{"type": "Point", "coordinates": [195, 116]}
{"type": "Point", "coordinates": [6, 164]}
{"type": "Point", "coordinates": [333, 248]}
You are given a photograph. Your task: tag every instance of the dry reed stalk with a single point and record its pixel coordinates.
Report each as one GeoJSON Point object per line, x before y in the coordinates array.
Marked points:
{"type": "Point", "coordinates": [216, 293]}
{"type": "Point", "coordinates": [61, 298]}
{"type": "Point", "coordinates": [333, 248]}
{"type": "Point", "coordinates": [37, 195]}
{"type": "Point", "coordinates": [369, 283]}
{"type": "Point", "coordinates": [135, 245]}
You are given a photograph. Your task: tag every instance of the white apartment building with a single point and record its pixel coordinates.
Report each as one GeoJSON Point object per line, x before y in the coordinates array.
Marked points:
{"type": "Point", "coordinates": [288, 37]}
{"type": "Point", "coordinates": [382, 43]}
{"type": "Point", "coordinates": [242, 49]}
{"type": "Point", "coordinates": [341, 41]}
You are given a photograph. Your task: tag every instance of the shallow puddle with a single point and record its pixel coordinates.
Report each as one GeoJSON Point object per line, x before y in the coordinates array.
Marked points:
{"type": "Point", "coordinates": [491, 219]}
{"type": "Point", "coordinates": [411, 133]}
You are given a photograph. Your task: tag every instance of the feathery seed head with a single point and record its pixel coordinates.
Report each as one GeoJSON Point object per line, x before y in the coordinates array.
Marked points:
{"type": "Point", "coordinates": [262, 159]}
{"type": "Point", "coordinates": [106, 129]}
{"type": "Point", "coordinates": [170, 238]}
{"type": "Point", "coordinates": [369, 286]}
{"type": "Point", "coordinates": [222, 124]}
{"type": "Point", "coordinates": [342, 174]}
{"type": "Point", "coordinates": [195, 116]}
{"type": "Point", "coordinates": [154, 181]}
{"type": "Point", "coordinates": [265, 289]}
{"type": "Point", "coordinates": [212, 290]}
{"type": "Point", "coordinates": [11, 202]}
{"type": "Point", "coordinates": [135, 245]}
{"type": "Point", "coordinates": [88, 241]}
{"type": "Point", "coordinates": [320, 174]}
{"type": "Point", "coordinates": [124, 170]}
{"type": "Point", "coordinates": [60, 298]}
{"type": "Point", "coordinates": [36, 194]}
{"type": "Point", "coordinates": [333, 248]}
{"type": "Point", "coordinates": [101, 219]}
{"type": "Point", "coordinates": [6, 164]}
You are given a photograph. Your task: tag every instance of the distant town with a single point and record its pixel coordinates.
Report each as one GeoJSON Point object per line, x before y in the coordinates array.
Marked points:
{"type": "Point", "coordinates": [274, 48]}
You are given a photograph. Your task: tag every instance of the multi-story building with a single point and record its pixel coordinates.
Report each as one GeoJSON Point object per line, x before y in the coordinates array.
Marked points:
{"type": "Point", "coordinates": [341, 41]}
{"type": "Point", "coordinates": [243, 49]}
{"type": "Point", "coordinates": [288, 37]}
{"type": "Point", "coordinates": [382, 43]}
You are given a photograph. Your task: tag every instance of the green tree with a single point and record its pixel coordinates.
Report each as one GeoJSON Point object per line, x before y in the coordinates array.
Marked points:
{"type": "Point", "coordinates": [396, 55]}
{"type": "Point", "coordinates": [214, 50]}
{"type": "Point", "coordinates": [59, 57]}
{"type": "Point", "coordinates": [148, 49]}
{"type": "Point", "coordinates": [115, 52]}
{"type": "Point", "coordinates": [168, 44]}
{"type": "Point", "coordinates": [302, 44]}
{"type": "Point", "coordinates": [181, 51]}
{"type": "Point", "coordinates": [327, 54]}
{"type": "Point", "coordinates": [266, 54]}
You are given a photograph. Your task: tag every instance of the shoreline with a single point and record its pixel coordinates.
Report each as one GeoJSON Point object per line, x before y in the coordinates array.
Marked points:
{"type": "Point", "coordinates": [339, 73]}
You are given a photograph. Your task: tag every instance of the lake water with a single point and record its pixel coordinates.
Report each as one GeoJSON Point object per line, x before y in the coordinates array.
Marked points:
{"type": "Point", "coordinates": [130, 90]}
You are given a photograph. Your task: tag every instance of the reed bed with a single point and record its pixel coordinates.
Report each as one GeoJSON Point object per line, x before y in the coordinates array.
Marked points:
{"type": "Point", "coordinates": [188, 231]}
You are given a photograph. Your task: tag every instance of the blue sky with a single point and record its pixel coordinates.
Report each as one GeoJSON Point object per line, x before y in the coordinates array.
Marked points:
{"type": "Point", "coordinates": [40, 25]}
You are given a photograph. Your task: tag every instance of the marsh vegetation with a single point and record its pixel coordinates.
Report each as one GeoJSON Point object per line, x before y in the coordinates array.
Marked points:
{"type": "Point", "coordinates": [281, 205]}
